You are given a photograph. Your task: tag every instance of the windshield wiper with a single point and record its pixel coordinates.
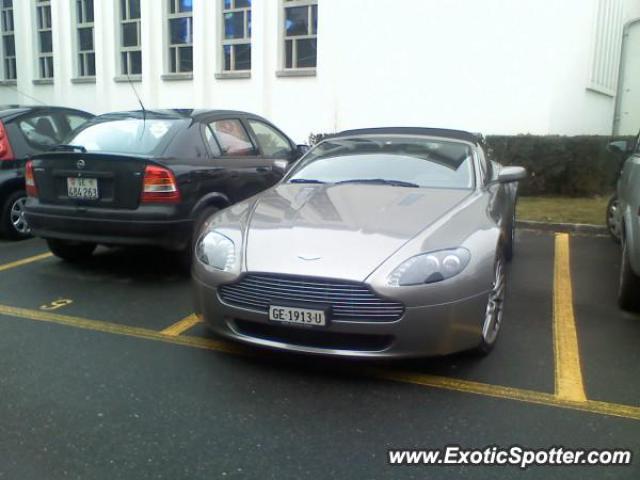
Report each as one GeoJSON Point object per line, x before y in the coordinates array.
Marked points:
{"type": "Point", "coordinates": [381, 181]}
{"type": "Point", "coordinates": [68, 148]}
{"type": "Point", "coordinates": [305, 180]}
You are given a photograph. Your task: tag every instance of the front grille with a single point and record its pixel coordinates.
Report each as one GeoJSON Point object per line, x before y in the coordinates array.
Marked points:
{"type": "Point", "coordinates": [351, 301]}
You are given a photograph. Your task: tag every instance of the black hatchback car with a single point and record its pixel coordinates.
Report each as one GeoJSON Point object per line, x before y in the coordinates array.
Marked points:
{"type": "Point", "coordinates": [149, 177]}
{"type": "Point", "coordinates": [25, 131]}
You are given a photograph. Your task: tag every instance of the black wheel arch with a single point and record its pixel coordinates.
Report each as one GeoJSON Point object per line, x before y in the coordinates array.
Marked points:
{"type": "Point", "coordinates": [213, 199]}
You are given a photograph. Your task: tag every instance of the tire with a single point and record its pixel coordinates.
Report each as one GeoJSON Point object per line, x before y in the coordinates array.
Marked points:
{"type": "Point", "coordinates": [509, 243]}
{"type": "Point", "coordinates": [71, 251]}
{"type": "Point", "coordinates": [614, 224]}
{"type": "Point", "coordinates": [13, 225]}
{"type": "Point", "coordinates": [629, 288]}
{"type": "Point", "coordinates": [495, 307]}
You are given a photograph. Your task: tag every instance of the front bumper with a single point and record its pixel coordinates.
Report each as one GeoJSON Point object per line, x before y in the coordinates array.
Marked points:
{"type": "Point", "coordinates": [155, 225]}
{"type": "Point", "coordinates": [422, 330]}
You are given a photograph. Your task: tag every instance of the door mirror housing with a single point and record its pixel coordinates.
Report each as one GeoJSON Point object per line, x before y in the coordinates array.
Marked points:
{"type": "Point", "coordinates": [280, 166]}
{"type": "Point", "coordinates": [621, 147]}
{"type": "Point", "coordinates": [511, 174]}
{"type": "Point", "coordinates": [301, 150]}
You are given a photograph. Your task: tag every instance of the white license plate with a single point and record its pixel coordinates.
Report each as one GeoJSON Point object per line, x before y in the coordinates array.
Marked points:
{"type": "Point", "coordinates": [301, 316]}
{"type": "Point", "coordinates": [82, 188]}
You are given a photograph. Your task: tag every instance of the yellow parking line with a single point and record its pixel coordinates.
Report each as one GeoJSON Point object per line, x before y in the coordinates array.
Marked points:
{"type": "Point", "coordinates": [568, 373]}
{"type": "Point", "coordinates": [24, 261]}
{"type": "Point", "coordinates": [181, 326]}
{"type": "Point", "coordinates": [446, 383]}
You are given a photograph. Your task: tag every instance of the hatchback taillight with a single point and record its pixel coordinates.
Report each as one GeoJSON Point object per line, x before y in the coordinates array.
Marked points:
{"type": "Point", "coordinates": [159, 186]}
{"type": "Point", "coordinates": [30, 180]}
{"type": "Point", "coordinates": [6, 152]}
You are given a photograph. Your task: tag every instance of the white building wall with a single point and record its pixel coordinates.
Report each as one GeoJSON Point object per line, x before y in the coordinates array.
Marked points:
{"type": "Point", "coordinates": [497, 66]}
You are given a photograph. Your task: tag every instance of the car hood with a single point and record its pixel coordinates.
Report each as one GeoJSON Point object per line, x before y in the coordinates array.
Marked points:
{"type": "Point", "coordinates": [338, 231]}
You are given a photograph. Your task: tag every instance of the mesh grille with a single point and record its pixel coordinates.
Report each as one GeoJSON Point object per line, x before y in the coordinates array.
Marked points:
{"type": "Point", "coordinates": [348, 300]}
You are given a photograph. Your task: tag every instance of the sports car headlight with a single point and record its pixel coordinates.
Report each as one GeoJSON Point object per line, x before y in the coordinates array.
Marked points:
{"type": "Point", "coordinates": [430, 267]}
{"type": "Point", "coordinates": [217, 251]}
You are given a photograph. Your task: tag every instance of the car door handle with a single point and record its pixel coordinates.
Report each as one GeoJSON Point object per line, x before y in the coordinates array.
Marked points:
{"type": "Point", "coordinates": [263, 169]}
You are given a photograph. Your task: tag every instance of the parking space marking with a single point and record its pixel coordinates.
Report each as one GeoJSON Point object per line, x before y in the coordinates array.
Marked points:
{"type": "Point", "coordinates": [56, 304]}
{"type": "Point", "coordinates": [25, 261]}
{"type": "Point", "coordinates": [446, 383]}
{"type": "Point", "coordinates": [181, 326]}
{"type": "Point", "coordinates": [568, 372]}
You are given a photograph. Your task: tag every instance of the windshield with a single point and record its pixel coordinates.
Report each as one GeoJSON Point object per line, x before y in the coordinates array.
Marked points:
{"type": "Point", "coordinates": [132, 135]}
{"type": "Point", "coordinates": [398, 161]}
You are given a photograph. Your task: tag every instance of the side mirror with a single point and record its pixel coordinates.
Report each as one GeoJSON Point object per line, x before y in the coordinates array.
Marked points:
{"type": "Point", "coordinates": [621, 147]}
{"type": "Point", "coordinates": [280, 166]}
{"type": "Point", "coordinates": [301, 150]}
{"type": "Point", "coordinates": [511, 174]}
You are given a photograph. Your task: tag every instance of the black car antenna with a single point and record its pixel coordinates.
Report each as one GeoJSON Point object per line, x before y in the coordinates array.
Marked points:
{"type": "Point", "coordinates": [144, 110]}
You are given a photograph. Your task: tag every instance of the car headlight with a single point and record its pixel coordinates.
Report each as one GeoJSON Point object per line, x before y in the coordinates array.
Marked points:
{"type": "Point", "coordinates": [217, 251]}
{"type": "Point", "coordinates": [430, 267]}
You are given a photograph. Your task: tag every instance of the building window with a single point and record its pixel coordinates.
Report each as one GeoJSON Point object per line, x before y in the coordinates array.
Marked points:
{"type": "Point", "coordinates": [86, 56]}
{"type": "Point", "coordinates": [300, 33]}
{"type": "Point", "coordinates": [180, 24]}
{"type": "Point", "coordinates": [607, 45]}
{"type": "Point", "coordinates": [130, 43]}
{"type": "Point", "coordinates": [8, 41]}
{"type": "Point", "coordinates": [45, 39]}
{"type": "Point", "coordinates": [236, 35]}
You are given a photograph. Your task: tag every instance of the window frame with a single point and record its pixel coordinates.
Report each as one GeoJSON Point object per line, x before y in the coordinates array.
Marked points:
{"type": "Point", "coordinates": [9, 64]}
{"type": "Point", "coordinates": [168, 46]}
{"type": "Point", "coordinates": [232, 42]}
{"type": "Point", "coordinates": [122, 18]}
{"type": "Point", "coordinates": [44, 60]}
{"type": "Point", "coordinates": [245, 128]}
{"type": "Point", "coordinates": [56, 122]}
{"type": "Point", "coordinates": [81, 62]}
{"type": "Point", "coordinates": [294, 69]}
{"type": "Point", "coordinates": [256, 139]}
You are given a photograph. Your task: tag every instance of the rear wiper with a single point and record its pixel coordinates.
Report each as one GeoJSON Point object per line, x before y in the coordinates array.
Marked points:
{"type": "Point", "coordinates": [68, 148]}
{"type": "Point", "coordinates": [305, 180]}
{"type": "Point", "coordinates": [381, 181]}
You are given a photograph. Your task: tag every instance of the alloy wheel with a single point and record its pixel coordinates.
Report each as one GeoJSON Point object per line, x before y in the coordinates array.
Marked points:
{"type": "Point", "coordinates": [613, 220]}
{"type": "Point", "coordinates": [495, 304]}
{"type": "Point", "coordinates": [16, 216]}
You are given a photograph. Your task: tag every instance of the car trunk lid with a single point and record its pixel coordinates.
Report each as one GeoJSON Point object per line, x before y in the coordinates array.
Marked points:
{"type": "Point", "coordinates": [90, 179]}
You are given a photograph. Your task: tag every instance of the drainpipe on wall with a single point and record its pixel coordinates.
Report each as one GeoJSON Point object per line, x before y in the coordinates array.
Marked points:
{"type": "Point", "coordinates": [625, 38]}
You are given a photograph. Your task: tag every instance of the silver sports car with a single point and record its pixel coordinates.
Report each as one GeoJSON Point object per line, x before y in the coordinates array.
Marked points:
{"type": "Point", "coordinates": [377, 243]}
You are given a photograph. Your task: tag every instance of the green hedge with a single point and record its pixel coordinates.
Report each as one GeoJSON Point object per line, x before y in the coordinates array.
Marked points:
{"type": "Point", "coordinates": [557, 165]}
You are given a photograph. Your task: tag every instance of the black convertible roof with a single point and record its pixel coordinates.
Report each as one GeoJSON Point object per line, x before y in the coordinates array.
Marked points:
{"type": "Point", "coordinates": [431, 132]}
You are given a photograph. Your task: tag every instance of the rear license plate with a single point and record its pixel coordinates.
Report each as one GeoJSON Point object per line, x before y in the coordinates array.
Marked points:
{"type": "Point", "coordinates": [299, 316]}
{"type": "Point", "coordinates": [82, 188]}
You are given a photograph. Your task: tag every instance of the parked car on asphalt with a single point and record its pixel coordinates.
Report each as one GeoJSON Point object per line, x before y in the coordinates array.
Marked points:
{"type": "Point", "coordinates": [26, 131]}
{"type": "Point", "coordinates": [378, 243]}
{"type": "Point", "coordinates": [145, 177]}
{"type": "Point", "coordinates": [628, 214]}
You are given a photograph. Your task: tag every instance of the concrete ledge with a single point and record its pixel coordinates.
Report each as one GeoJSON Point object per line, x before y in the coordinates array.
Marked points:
{"type": "Point", "coordinates": [170, 77]}
{"type": "Point", "coordinates": [83, 80]}
{"type": "Point", "coordinates": [42, 81]}
{"type": "Point", "coordinates": [302, 72]}
{"type": "Point", "coordinates": [125, 79]}
{"type": "Point", "coordinates": [563, 227]}
{"type": "Point", "coordinates": [232, 75]}
{"type": "Point", "coordinates": [9, 83]}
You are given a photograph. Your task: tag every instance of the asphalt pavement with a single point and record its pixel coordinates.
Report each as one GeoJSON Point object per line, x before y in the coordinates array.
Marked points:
{"type": "Point", "coordinates": [104, 373]}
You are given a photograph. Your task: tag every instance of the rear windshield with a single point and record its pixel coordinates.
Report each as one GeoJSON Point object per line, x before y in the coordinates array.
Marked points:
{"type": "Point", "coordinates": [132, 135]}
{"type": "Point", "coordinates": [404, 161]}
